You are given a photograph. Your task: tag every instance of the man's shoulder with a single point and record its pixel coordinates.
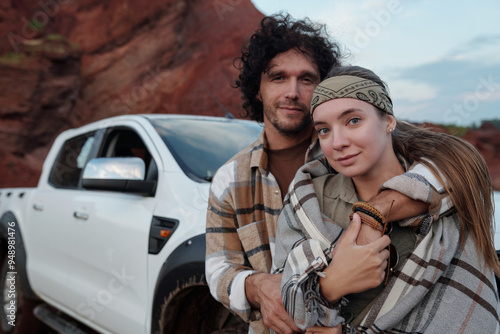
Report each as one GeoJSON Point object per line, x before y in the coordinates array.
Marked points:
{"type": "Point", "coordinates": [234, 166]}
{"type": "Point", "coordinates": [244, 156]}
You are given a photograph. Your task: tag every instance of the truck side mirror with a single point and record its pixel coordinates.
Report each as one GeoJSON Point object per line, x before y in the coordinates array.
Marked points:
{"type": "Point", "coordinates": [118, 174]}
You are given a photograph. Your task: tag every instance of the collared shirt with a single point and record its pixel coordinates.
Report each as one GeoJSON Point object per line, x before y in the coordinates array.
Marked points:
{"type": "Point", "coordinates": [244, 204]}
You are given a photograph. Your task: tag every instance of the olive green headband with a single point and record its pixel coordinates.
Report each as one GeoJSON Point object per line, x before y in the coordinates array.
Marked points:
{"type": "Point", "coordinates": [348, 86]}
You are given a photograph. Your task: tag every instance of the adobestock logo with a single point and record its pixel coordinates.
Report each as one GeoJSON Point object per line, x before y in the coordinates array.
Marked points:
{"type": "Point", "coordinates": [461, 111]}
{"type": "Point", "coordinates": [126, 103]}
{"type": "Point", "coordinates": [373, 28]}
{"type": "Point", "coordinates": [103, 297]}
{"type": "Point", "coordinates": [223, 7]}
{"type": "Point", "coordinates": [30, 29]}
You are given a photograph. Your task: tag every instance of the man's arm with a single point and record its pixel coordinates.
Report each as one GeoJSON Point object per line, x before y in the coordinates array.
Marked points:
{"type": "Point", "coordinates": [416, 193]}
{"type": "Point", "coordinates": [402, 208]}
{"type": "Point", "coordinates": [238, 287]}
{"type": "Point", "coordinates": [225, 266]}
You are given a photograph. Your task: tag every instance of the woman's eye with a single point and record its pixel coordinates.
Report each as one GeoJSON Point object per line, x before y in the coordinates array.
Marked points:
{"type": "Point", "coordinates": [354, 121]}
{"type": "Point", "coordinates": [322, 131]}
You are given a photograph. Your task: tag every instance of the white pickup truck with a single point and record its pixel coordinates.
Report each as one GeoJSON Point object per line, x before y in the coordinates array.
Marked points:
{"type": "Point", "coordinates": [112, 238]}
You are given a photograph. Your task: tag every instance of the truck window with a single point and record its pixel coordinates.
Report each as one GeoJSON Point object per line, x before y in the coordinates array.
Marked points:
{"type": "Point", "coordinates": [201, 146]}
{"type": "Point", "coordinates": [70, 162]}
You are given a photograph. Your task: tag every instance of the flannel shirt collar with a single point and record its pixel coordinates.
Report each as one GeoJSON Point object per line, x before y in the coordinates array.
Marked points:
{"type": "Point", "coordinates": [258, 154]}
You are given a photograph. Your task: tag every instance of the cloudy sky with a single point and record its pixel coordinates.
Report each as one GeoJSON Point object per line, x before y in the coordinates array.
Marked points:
{"type": "Point", "coordinates": [441, 59]}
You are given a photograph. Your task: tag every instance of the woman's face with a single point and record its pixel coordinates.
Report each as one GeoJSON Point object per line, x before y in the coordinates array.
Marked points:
{"type": "Point", "coordinates": [354, 137]}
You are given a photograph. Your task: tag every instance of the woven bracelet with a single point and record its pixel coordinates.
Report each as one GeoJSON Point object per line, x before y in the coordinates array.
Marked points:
{"type": "Point", "coordinates": [370, 210]}
{"type": "Point", "coordinates": [365, 219]}
{"type": "Point", "coordinates": [371, 214]}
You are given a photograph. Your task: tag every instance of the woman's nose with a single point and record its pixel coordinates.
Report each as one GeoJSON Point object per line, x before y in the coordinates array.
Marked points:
{"type": "Point", "coordinates": [339, 140]}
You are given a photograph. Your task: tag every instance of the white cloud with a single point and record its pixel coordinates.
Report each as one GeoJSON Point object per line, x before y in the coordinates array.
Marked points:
{"type": "Point", "coordinates": [412, 113]}
{"type": "Point", "coordinates": [483, 94]}
{"type": "Point", "coordinates": [411, 91]}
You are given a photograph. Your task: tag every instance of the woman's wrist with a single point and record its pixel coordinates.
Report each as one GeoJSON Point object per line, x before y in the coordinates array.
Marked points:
{"type": "Point", "coordinates": [329, 288]}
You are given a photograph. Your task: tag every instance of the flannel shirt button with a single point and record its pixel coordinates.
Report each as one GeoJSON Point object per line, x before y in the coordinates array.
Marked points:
{"type": "Point", "coordinates": [276, 192]}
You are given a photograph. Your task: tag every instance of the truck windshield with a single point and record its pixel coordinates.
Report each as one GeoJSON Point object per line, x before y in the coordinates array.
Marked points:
{"type": "Point", "coordinates": [201, 146]}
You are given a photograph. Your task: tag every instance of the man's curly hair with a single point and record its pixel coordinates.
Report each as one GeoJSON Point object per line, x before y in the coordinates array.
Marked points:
{"type": "Point", "coordinates": [278, 34]}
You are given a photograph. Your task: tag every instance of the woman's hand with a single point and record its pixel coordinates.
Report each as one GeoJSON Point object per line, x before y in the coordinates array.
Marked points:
{"type": "Point", "coordinates": [354, 268]}
{"type": "Point", "coordinates": [324, 330]}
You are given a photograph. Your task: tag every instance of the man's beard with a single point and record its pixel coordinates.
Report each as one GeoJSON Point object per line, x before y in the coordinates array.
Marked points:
{"type": "Point", "coordinates": [286, 130]}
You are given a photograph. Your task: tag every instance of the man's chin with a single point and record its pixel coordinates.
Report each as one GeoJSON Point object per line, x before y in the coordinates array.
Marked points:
{"type": "Point", "coordinates": [292, 131]}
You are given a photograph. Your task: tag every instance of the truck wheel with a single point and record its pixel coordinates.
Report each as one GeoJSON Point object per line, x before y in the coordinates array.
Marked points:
{"type": "Point", "coordinates": [16, 312]}
{"type": "Point", "coordinates": [194, 310]}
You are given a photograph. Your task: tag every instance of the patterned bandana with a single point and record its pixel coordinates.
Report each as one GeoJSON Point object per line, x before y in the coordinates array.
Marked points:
{"type": "Point", "coordinates": [348, 86]}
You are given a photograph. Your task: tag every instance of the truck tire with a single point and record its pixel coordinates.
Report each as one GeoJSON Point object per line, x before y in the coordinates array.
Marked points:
{"type": "Point", "coordinates": [194, 310]}
{"type": "Point", "coordinates": [183, 303]}
{"type": "Point", "coordinates": [16, 312]}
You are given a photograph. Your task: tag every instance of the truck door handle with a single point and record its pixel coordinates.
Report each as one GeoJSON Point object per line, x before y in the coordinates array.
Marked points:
{"type": "Point", "coordinates": [80, 215]}
{"type": "Point", "coordinates": [38, 207]}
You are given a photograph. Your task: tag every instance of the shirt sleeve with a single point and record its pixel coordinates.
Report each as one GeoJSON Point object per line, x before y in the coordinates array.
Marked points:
{"type": "Point", "coordinates": [419, 183]}
{"type": "Point", "coordinates": [301, 261]}
{"type": "Point", "coordinates": [226, 266]}
{"type": "Point", "coordinates": [300, 288]}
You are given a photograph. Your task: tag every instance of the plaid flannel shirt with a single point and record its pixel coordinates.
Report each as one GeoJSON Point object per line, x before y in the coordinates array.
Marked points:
{"type": "Point", "coordinates": [244, 204]}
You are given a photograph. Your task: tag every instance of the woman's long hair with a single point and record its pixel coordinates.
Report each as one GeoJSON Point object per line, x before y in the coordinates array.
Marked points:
{"type": "Point", "coordinates": [468, 182]}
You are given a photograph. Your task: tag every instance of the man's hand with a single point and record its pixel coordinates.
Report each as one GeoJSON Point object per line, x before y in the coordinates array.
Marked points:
{"type": "Point", "coordinates": [264, 292]}
{"type": "Point", "coordinates": [403, 207]}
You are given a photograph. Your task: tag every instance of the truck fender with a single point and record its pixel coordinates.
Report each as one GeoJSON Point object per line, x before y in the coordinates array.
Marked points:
{"type": "Point", "coordinates": [184, 267]}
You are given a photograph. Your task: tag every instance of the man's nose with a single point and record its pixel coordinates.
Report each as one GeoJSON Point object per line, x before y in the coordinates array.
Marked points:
{"type": "Point", "coordinates": [292, 90]}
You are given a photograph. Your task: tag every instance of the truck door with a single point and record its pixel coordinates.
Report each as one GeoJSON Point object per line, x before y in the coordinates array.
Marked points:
{"type": "Point", "coordinates": [95, 265]}
{"type": "Point", "coordinates": [111, 245]}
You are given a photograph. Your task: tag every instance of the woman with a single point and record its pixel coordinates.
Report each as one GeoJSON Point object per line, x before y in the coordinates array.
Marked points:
{"type": "Point", "coordinates": [444, 281]}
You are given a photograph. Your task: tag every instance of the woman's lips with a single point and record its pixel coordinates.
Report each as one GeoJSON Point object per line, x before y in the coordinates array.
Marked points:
{"type": "Point", "coordinates": [347, 160]}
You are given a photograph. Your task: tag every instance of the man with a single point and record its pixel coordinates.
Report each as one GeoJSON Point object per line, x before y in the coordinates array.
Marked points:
{"type": "Point", "coordinates": [282, 64]}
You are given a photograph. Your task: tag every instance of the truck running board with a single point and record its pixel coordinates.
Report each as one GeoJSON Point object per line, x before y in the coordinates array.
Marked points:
{"type": "Point", "coordinates": [62, 326]}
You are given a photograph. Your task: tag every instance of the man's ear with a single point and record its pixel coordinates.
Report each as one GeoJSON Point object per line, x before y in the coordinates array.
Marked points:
{"type": "Point", "coordinates": [259, 96]}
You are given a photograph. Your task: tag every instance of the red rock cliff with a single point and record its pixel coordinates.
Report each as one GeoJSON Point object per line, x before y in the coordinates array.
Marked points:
{"type": "Point", "coordinates": [65, 63]}
{"type": "Point", "coordinates": [487, 140]}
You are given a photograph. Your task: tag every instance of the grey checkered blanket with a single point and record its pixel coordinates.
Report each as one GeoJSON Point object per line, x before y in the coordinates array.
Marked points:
{"type": "Point", "coordinates": [441, 288]}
